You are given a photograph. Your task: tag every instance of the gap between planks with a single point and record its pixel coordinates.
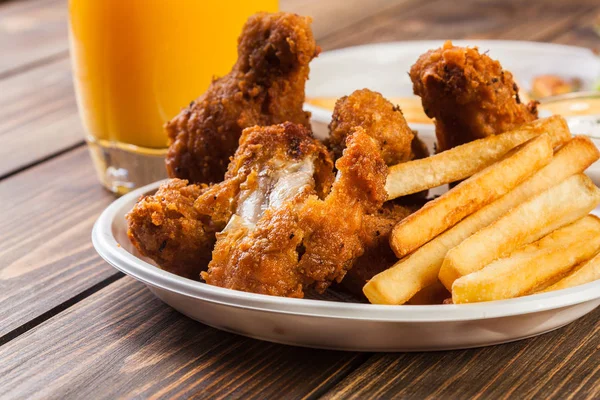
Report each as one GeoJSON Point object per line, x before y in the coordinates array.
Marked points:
{"type": "Point", "coordinates": [29, 325]}
{"type": "Point", "coordinates": [61, 55]}
{"type": "Point", "coordinates": [42, 160]}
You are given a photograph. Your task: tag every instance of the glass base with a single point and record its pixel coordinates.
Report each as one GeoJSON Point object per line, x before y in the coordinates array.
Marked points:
{"type": "Point", "coordinates": [122, 167]}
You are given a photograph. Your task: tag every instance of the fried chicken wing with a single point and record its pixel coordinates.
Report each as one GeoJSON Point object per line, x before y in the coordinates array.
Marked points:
{"type": "Point", "coordinates": [288, 232]}
{"type": "Point", "coordinates": [166, 228]}
{"type": "Point", "coordinates": [385, 123]}
{"type": "Point", "coordinates": [469, 95]}
{"type": "Point", "coordinates": [264, 87]}
{"type": "Point", "coordinates": [381, 120]}
{"type": "Point", "coordinates": [332, 228]}
{"type": "Point", "coordinates": [274, 170]}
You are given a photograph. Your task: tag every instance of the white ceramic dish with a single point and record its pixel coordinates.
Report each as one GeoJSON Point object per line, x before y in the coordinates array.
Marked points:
{"type": "Point", "coordinates": [338, 325]}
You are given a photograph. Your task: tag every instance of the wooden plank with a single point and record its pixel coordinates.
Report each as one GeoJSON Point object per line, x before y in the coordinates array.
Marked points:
{"type": "Point", "coordinates": [31, 31]}
{"type": "Point", "coordinates": [335, 16]}
{"type": "Point", "coordinates": [122, 342]}
{"type": "Point", "coordinates": [475, 19]}
{"type": "Point", "coordinates": [583, 31]}
{"type": "Point", "coordinates": [38, 115]}
{"type": "Point", "coordinates": [554, 365]}
{"type": "Point", "coordinates": [46, 255]}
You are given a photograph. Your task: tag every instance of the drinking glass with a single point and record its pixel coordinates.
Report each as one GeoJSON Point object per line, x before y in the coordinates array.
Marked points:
{"type": "Point", "coordinates": [136, 63]}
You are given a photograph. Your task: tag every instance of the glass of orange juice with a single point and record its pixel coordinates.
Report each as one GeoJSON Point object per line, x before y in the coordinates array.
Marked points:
{"type": "Point", "coordinates": [136, 63]}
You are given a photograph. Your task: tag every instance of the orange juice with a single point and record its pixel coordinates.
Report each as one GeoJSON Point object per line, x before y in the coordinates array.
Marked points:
{"type": "Point", "coordinates": [138, 62]}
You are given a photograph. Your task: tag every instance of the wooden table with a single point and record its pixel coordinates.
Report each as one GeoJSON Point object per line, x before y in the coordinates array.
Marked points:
{"type": "Point", "coordinates": [73, 327]}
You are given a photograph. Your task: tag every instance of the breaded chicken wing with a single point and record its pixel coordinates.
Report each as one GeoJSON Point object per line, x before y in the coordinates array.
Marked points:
{"type": "Point", "coordinates": [332, 228]}
{"type": "Point", "coordinates": [284, 234]}
{"type": "Point", "coordinates": [264, 87]}
{"type": "Point", "coordinates": [274, 170]}
{"type": "Point", "coordinates": [166, 228]}
{"type": "Point", "coordinates": [381, 120]}
{"type": "Point", "coordinates": [469, 95]}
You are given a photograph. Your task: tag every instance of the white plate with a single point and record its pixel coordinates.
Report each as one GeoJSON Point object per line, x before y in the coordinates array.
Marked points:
{"type": "Point", "coordinates": [384, 67]}
{"type": "Point", "coordinates": [337, 325]}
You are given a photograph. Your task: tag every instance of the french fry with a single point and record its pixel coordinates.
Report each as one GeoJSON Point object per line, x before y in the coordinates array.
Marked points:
{"type": "Point", "coordinates": [524, 224]}
{"type": "Point", "coordinates": [587, 272]}
{"type": "Point", "coordinates": [463, 161]}
{"type": "Point", "coordinates": [435, 293]}
{"type": "Point", "coordinates": [533, 264]}
{"type": "Point", "coordinates": [419, 270]}
{"type": "Point", "coordinates": [546, 284]}
{"type": "Point", "coordinates": [479, 190]}
{"type": "Point", "coordinates": [399, 283]}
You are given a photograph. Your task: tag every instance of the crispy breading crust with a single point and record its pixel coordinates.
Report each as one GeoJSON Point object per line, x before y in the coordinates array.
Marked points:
{"type": "Point", "coordinates": [261, 144]}
{"type": "Point", "coordinates": [265, 87]}
{"type": "Point", "coordinates": [166, 228]}
{"type": "Point", "coordinates": [381, 120]}
{"type": "Point", "coordinates": [469, 95]}
{"type": "Point", "coordinates": [332, 227]}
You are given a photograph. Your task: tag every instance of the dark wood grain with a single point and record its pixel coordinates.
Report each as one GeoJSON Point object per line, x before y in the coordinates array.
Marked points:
{"type": "Point", "coordinates": [564, 363]}
{"type": "Point", "coordinates": [584, 31]}
{"type": "Point", "coordinates": [329, 17]}
{"type": "Point", "coordinates": [476, 19]}
{"type": "Point", "coordinates": [32, 32]}
{"type": "Point", "coordinates": [46, 255]}
{"type": "Point", "coordinates": [123, 342]}
{"type": "Point", "coordinates": [38, 115]}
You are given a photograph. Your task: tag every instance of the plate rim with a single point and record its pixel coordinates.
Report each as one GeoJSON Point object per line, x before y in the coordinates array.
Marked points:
{"type": "Point", "coordinates": [111, 251]}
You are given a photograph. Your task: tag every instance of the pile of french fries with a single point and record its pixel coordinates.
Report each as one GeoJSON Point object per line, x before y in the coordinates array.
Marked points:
{"type": "Point", "coordinates": [517, 224]}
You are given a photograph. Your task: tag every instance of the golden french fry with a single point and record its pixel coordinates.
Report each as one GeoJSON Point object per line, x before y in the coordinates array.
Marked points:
{"type": "Point", "coordinates": [531, 265]}
{"type": "Point", "coordinates": [526, 223]}
{"type": "Point", "coordinates": [435, 293]}
{"type": "Point", "coordinates": [463, 161]}
{"type": "Point", "coordinates": [546, 284]}
{"type": "Point", "coordinates": [587, 272]}
{"type": "Point", "coordinates": [398, 284]}
{"type": "Point", "coordinates": [419, 270]}
{"type": "Point", "coordinates": [479, 190]}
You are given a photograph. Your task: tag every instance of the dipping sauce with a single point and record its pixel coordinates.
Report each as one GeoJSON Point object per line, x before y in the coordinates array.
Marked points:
{"type": "Point", "coordinates": [581, 109]}
{"type": "Point", "coordinates": [574, 106]}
